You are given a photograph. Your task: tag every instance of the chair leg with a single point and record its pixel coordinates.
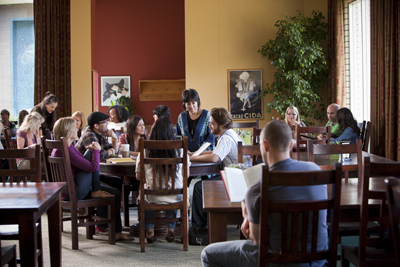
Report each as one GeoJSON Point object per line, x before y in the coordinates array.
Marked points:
{"type": "Point", "coordinates": [184, 229]}
{"type": "Point", "coordinates": [125, 192]}
{"type": "Point", "coordinates": [40, 243]}
{"type": "Point", "coordinates": [343, 261]}
{"type": "Point", "coordinates": [89, 229]}
{"type": "Point", "coordinates": [74, 228]}
{"type": "Point", "coordinates": [111, 226]}
{"type": "Point", "coordinates": [142, 233]}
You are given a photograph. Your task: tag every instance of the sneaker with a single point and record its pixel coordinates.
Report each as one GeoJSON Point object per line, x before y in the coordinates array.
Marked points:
{"type": "Point", "coordinates": [100, 230]}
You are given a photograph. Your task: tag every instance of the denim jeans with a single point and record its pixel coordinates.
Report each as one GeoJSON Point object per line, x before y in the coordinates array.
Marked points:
{"type": "Point", "coordinates": [86, 182]}
{"type": "Point", "coordinates": [151, 214]}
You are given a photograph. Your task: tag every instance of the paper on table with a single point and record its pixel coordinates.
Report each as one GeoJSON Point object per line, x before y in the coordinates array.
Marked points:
{"type": "Point", "coordinates": [201, 149]}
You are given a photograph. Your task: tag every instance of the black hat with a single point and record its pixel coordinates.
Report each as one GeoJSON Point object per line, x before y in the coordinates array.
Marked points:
{"type": "Point", "coordinates": [96, 117]}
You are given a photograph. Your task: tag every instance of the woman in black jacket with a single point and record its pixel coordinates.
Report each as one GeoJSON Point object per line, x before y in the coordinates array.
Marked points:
{"type": "Point", "coordinates": [46, 108]}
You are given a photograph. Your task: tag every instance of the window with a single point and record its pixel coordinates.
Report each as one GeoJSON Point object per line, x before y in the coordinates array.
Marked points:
{"type": "Point", "coordinates": [17, 55]}
{"type": "Point", "coordinates": [357, 56]}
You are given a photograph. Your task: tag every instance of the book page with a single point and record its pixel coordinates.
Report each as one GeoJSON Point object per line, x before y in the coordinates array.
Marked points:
{"type": "Point", "coordinates": [201, 149]}
{"type": "Point", "coordinates": [236, 184]}
{"type": "Point", "coordinates": [253, 174]}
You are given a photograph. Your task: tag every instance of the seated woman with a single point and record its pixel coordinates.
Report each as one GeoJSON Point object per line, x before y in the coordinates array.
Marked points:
{"type": "Point", "coordinates": [162, 130]}
{"type": "Point", "coordinates": [347, 125]}
{"type": "Point", "coordinates": [134, 130]}
{"type": "Point", "coordinates": [118, 117]}
{"type": "Point", "coordinates": [5, 119]}
{"type": "Point", "coordinates": [21, 116]}
{"type": "Point", "coordinates": [292, 119]}
{"type": "Point", "coordinates": [194, 122]}
{"type": "Point", "coordinates": [28, 136]}
{"type": "Point", "coordinates": [158, 112]}
{"type": "Point", "coordinates": [79, 117]}
{"type": "Point", "coordinates": [85, 170]}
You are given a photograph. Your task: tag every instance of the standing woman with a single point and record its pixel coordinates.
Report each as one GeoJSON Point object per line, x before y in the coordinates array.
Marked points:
{"type": "Point", "coordinates": [118, 117]}
{"type": "Point", "coordinates": [162, 130]}
{"type": "Point", "coordinates": [292, 119]}
{"type": "Point", "coordinates": [134, 130]}
{"type": "Point", "coordinates": [28, 136]}
{"type": "Point", "coordinates": [46, 108]}
{"type": "Point", "coordinates": [79, 117]}
{"type": "Point", "coordinates": [194, 121]}
{"type": "Point", "coordinates": [347, 125]}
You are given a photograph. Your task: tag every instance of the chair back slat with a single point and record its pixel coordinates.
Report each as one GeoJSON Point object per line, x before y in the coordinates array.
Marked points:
{"type": "Point", "coordinates": [245, 124]}
{"type": "Point", "coordinates": [311, 130]}
{"type": "Point", "coordinates": [366, 136]}
{"type": "Point", "coordinates": [299, 218]}
{"type": "Point", "coordinates": [16, 175]}
{"type": "Point", "coordinates": [393, 199]}
{"type": "Point", "coordinates": [10, 144]}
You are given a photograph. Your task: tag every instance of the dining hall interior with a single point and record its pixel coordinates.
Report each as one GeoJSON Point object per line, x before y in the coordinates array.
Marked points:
{"type": "Point", "coordinates": [197, 44]}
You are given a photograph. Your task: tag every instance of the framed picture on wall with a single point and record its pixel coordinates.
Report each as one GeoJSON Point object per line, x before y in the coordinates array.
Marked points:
{"type": "Point", "coordinates": [95, 90]}
{"type": "Point", "coordinates": [244, 94]}
{"type": "Point", "coordinates": [113, 87]}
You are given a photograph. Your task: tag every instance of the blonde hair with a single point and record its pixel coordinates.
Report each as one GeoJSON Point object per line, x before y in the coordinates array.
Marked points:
{"type": "Point", "coordinates": [31, 122]}
{"type": "Point", "coordinates": [297, 118]}
{"type": "Point", "coordinates": [63, 128]}
{"type": "Point", "coordinates": [81, 116]}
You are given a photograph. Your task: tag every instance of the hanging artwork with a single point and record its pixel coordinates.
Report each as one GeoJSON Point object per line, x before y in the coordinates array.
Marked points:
{"type": "Point", "coordinates": [113, 87]}
{"type": "Point", "coordinates": [244, 94]}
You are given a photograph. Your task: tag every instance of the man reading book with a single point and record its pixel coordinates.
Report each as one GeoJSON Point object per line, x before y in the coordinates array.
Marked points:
{"type": "Point", "coordinates": [275, 150]}
{"type": "Point", "coordinates": [225, 152]}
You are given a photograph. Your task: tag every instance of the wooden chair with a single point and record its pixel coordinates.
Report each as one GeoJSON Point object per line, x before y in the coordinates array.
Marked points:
{"type": "Point", "coordinates": [8, 255]}
{"type": "Point", "coordinates": [362, 126]}
{"type": "Point", "coordinates": [17, 175]}
{"type": "Point", "coordinates": [393, 200]}
{"type": "Point", "coordinates": [248, 151]}
{"type": "Point", "coordinates": [160, 188]}
{"type": "Point", "coordinates": [301, 131]}
{"type": "Point", "coordinates": [295, 243]}
{"type": "Point", "coordinates": [256, 135]}
{"type": "Point", "coordinates": [10, 144]}
{"type": "Point", "coordinates": [118, 132]}
{"type": "Point", "coordinates": [59, 170]}
{"type": "Point", "coordinates": [245, 124]}
{"type": "Point", "coordinates": [313, 149]}
{"type": "Point", "coordinates": [366, 136]}
{"type": "Point", "coordinates": [371, 249]}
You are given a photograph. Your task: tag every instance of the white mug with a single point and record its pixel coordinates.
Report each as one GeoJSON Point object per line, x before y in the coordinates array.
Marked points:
{"type": "Point", "coordinates": [125, 150]}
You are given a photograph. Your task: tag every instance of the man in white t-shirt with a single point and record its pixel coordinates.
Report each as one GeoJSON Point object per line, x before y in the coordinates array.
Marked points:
{"type": "Point", "coordinates": [226, 152]}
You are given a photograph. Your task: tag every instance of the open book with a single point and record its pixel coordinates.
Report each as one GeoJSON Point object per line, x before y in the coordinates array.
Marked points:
{"type": "Point", "coordinates": [201, 149]}
{"type": "Point", "coordinates": [120, 160]}
{"type": "Point", "coordinates": [237, 181]}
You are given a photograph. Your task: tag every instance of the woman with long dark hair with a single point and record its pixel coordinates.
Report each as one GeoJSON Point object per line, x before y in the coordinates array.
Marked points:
{"type": "Point", "coordinates": [348, 125]}
{"type": "Point", "coordinates": [135, 129]}
{"type": "Point", "coordinates": [193, 122]}
{"type": "Point", "coordinates": [162, 130]}
{"type": "Point", "coordinates": [47, 108]}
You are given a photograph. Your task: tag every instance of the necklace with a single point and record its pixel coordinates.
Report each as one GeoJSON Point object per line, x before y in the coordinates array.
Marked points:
{"type": "Point", "coordinates": [192, 125]}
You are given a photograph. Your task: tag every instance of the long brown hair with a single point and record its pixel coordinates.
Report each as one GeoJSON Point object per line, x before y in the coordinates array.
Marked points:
{"type": "Point", "coordinates": [41, 108]}
{"type": "Point", "coordinates": [131, 125]}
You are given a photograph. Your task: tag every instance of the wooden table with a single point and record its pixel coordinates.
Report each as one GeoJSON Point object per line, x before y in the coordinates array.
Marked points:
{"type": "Point", "coordinates": [221, 212]}
{"type": "Point", "coordinates": [24, 204]}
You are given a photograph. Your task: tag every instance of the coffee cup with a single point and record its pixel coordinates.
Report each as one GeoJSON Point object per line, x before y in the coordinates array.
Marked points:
{"type": "Point", "coordinates": [125, 150]}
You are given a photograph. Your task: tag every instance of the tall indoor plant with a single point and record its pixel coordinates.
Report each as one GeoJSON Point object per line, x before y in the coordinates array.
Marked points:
{"type": "Point", "coordinates": [300, 62]}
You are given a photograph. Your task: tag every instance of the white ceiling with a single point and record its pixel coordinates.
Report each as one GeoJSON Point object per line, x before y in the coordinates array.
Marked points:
{"type": "Point", "coordinates": [10, 2]}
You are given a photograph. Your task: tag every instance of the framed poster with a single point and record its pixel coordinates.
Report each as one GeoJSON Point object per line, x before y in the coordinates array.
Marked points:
{"type": "Point", "coordinates": [113, 87]}
{"type": "Point", "coordinates": [244, 94]}
{"type": "Point", "coordinates": [95, 90]}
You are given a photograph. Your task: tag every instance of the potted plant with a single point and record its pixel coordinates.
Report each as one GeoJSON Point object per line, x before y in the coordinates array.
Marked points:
{"type": "Point", "coordinates": [301, 67]}
{"type": "Point", "coordinates": [125, 102]}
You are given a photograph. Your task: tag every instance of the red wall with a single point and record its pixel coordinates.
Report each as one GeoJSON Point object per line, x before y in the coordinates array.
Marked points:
{"type": "Point", "coordinates": [141, 39]}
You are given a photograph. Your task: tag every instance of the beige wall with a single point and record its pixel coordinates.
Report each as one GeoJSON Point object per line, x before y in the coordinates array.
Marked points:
{"type": "Point", "coordinates": [226, 34]}
{"type": "Point", "coordinates": [81, 71]}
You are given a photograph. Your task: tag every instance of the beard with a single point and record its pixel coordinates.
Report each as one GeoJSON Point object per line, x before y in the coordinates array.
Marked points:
{"type": "Point", "coordinates": [216, 131]}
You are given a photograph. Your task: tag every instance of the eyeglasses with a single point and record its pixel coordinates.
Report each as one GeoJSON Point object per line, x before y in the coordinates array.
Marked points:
{"type": "Point", "coordinates": [101, 122]}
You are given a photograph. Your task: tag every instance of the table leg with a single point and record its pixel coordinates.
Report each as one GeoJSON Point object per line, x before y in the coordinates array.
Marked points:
{"type": "Point", "coordinates": [54, 222]}
{"type": "Point", "coordinates": [27, 239]}
{"type": "Point", "coordinates": [217, 227]}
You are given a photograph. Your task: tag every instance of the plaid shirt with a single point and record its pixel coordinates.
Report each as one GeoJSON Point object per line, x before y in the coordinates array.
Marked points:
{"type": "Point", "coordinates": [90, 136]}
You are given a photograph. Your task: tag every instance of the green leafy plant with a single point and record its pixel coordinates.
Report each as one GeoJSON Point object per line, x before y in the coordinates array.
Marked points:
{"type": "Point", "coordinates": [301, 67]}
{"type": "Point", "coordinates": [243, 133]}
{"type": "Point", "coordinates": [125, 102]}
